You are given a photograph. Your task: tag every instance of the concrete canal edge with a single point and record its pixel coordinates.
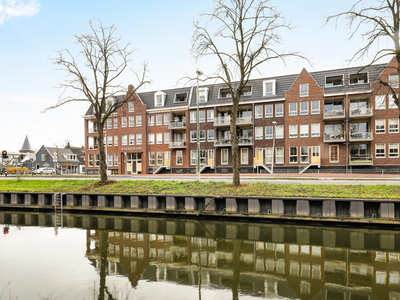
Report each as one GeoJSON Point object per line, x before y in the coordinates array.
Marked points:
{"type": "Point", "coordinates": [379, 212]}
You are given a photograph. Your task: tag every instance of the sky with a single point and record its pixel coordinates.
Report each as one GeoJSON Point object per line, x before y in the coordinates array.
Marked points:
{"type": "Point", "coordinates": [160, 32]}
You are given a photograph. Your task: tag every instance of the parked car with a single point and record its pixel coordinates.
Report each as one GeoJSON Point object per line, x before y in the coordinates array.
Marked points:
{"type": "Point", "coordinates": [45, 170]}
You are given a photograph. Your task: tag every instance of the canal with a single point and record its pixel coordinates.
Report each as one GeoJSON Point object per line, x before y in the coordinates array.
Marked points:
{"type": "Point", "coordinates": [72, 256]}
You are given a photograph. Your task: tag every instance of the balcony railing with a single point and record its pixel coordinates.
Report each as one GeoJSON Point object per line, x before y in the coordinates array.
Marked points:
{"type": "Point", "coordinates": [220, 142]}
{"type": "Point", "coordinates": [360, 112]}
{"type": "Point", "coordinates": [244, 120]}
{"type": "Point", "coordinates": [177, 125]}
{"type": "Point", "coordinates": [93, 147]}
{"type": "Point", "coordinates": [222, 121]}
{"type": "Point", "coordinates": [360, 136]}
{"type": "Point", "coordinates": [334, 114]}
{"type": "Point", "coordinates": [361, 159]}
{"type": "Point", "coordinates": [177, 144]}
{"type": "Point", "coordinates": [334, 137]}
{"type": "Point", "coordinates": [92, 130]}
{"type": "Point", "coordinates": [242, 141]}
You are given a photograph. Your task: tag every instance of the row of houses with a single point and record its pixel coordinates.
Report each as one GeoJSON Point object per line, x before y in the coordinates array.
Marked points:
{"type": "Point", "coordinates": [333, 119]}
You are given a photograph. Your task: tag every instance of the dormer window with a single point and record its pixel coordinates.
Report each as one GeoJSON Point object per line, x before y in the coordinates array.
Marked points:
{"type": "Point", "coordinates": [358, 78]}
{"type": "Point", "coordinates": [110, 103]}
{"type": "Point", "coordinates": [269, 88]}
{"type": "Point", "coordinates": [225, 93]}
{"type": "Point", "coordinates": [334, 81]}
{"type": "Point", "coordinates": [159, 99]}
{"type": "Point", "coordinates": [203, 95]}
{"type": "Point", "coordinates": [182, 97]}
{"type": "Point", "coordinates": [246, 91]}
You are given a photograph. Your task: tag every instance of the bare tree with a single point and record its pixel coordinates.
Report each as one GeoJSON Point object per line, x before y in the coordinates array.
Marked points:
{"type": "Point", "coordinates": [95, 71]}
{"type": "Point", "coordinates": [246, 37]}
{"type": "Point", "coordinates": [378, 25]}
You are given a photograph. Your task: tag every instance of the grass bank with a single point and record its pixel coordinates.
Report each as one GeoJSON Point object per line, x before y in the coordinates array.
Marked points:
{"type": "Point", "coordinates": [203, 188]}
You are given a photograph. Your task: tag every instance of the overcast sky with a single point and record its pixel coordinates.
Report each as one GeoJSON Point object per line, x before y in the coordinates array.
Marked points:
{"type": "Point", "coordinates": [160, 31]}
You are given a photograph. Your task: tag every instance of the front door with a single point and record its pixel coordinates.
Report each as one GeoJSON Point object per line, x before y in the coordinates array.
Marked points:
{"type": "Point", "coordinates": [259, 156]}
{"type": "Point", "coordinates": [315, 158]}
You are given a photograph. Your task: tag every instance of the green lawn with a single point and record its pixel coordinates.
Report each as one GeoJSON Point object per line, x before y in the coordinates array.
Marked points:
{"type": "Point", "coordinates": [206, 188]}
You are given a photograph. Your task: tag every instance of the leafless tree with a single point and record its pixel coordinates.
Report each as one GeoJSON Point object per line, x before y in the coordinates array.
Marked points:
{"type": "Point", "coordinates": [246, 36]}
{"type": "Point", "coordinates": [378, 25]}
{"type": "Point", "coordinates": [95, 73]}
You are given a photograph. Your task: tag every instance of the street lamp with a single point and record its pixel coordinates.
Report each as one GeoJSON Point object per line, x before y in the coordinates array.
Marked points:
{"type": "Point", "coordinates": [273, 147]}
{"type": "Point", "coordinates": [198, 73]}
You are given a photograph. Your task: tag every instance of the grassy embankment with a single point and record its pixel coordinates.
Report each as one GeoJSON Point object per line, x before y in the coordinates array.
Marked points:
{"type": "Point", "coordinates": [206, 188]}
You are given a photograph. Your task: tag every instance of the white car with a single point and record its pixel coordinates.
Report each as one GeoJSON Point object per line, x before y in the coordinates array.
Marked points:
{"type": "Point", "coordinates": [45, 170]}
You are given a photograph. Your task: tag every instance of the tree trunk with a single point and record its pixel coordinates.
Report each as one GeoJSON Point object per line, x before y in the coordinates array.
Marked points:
{"type": "Point", "coordinates": [235, 146]}
{"type": "Point", "coordinates": [102, 154]}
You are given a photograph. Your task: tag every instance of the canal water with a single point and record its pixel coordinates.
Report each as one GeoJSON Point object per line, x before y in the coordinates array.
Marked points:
{"type": "Point", "coordinates": [47, 256]}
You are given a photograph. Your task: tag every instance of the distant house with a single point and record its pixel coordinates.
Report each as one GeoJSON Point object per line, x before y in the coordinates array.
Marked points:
{"type": "Point", "coordinates": [68, 160]}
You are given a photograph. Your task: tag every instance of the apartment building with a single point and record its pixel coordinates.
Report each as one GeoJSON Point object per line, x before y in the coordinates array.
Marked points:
{"type": "Point", "coordinates": [334, 119]}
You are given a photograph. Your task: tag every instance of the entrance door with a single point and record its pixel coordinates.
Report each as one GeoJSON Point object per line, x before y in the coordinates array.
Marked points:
{"type": "Point", "coordinates": [133, 163]}
{"type": "Point", "coordinates": [211, 160]}
{"type": "Point", "coordinates": [315, 158]}
{"type": "Point", "coordinates": [259, 156]}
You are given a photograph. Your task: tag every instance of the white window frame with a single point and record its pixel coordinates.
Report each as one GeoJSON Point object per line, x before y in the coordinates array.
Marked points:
{"type": "Point", "coordinates": [210, 115]}
{"type": "Point", "coordinates": [151, 139]}
{"type": "Point", "coordinates": [193, 136]}
{"type": "Point", "coordinates": [259, 132]}
{"type": "Point", "coordinates": [244, 156]}
{"type": "Point", "coordinates": [279, 129]}
{"type": "Point", "coordinates": [315, 111]}
{"type": "Point", "coordinates": [193, 117]}
{"type": "Point", "coordinates": [392, 103]}
{"type": "Point", "coordinates": [202, 116]}
{"type": "Point", "coordinates": [116, 159]}
{"type": "Point", "coordinates": [131, 139]}
{"type": "Point", "coordinates": [293, 131]}
{"type": "Point", "coordinates": [394, 80]}
{"type": "Point", "coordinates": [167, 118]}
{"type": "Point", "coordinates": [269, 132]}
{"type": "Point", "coordinates": [115, 123]}
{"type": "Point", "coordinates": [293, 109]}
{"type": "Point", "coordinates": [380, 154]}
{"type": "Point", "coordinates": [293, 157]}
{"type": "Point", "coordinates": [304, 110]}
{"type": "Point", "coordinates": [304, 158]}
{"type": "Point", "coordinates": [202, 137]}
{"type": "Point", "coordinates": [203, 95]}
{"type": "Point", "coordinates": [109, 123]}
{"type": "Point", "coordinates": [380, 102]}
{"type": "Point", "coordinates": [279, 157]}
{"type": "Point", "coordinates": [394, 125]}
{"type": "Point", "coordinates": [115, 140]}
{"type": "Point", "coordinates": [278, 107]}
{"type": "Point", "coordinates": [139, 139]}
{"type": "Point", "coordinates": [394, 146]}
{"type": "Point", "coordinates": [138, 121]}
{"type": "Point", "coordinates": [210, 135]}
{"type": "Point", "coordinates": [131, 106]}
{"type": "Point", "coordinates": [258, 113]}
{"type": "Point", "coordinates": [131, 121]}
{"type": "Point", "coordinates": [159, 138]}
{"type": "Point", "coordinates": [193, 157]}
{"type": "Point", "coordinates": [159, 99]}
{"type": "Point", "coordinates": [167, 137]}
{"type": "Point", "coordinates": [159, 119]}
{"type": "Point", "coordinates": [315, 129]}
{"type": "Point", "coordinates": [223, 161]}
{"type": "Point", "coordinates": [380, 126]}
{"type": "Point", "coordinates": [271, 114]}
{"type": "Point", "coordinates": [304, 131]}
{"type": "Point", "coordinates": [124, 122]}
{"type": "Point", "coordinates": [109, 140]}
{"type": "Point", "coordinates": [303, 89]}
{"type": "Point", "coordinates": [179, 157]}
{"type": "Point", "coordinates": [273, 89]}
{"type": "Point", "coordinates": [124, 139]}
{"type": "Point", "coordinates": [152, 158]}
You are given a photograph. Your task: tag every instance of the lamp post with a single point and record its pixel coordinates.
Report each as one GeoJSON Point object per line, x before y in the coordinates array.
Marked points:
{"type": "Point", "coordinates": [198, 73]}
{"type": "Point", "coordinates": [273, 147]}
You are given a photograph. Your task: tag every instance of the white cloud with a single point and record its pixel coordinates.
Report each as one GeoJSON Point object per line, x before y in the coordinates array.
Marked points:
{"type": "Point", "coordinates": [17, 8]}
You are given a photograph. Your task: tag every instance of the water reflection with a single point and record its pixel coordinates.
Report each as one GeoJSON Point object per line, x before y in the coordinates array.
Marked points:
{"type": "Point", "coordinates": [175, 259]}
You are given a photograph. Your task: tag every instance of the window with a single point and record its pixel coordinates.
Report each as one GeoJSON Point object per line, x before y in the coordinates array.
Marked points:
{"type": "Point", "coordinates": [166, 119]}
{"type": "Point", "coordinates": [293, 155]}
{"type": "Point", "coordinates": [269, 110]}
{"type": "Point", "coordinates": [167, 136]}
{"type": "Point", "coordinates": [315, 130]}
{"type": "Point", "coordinates": [152, 158]}
{"type": "Point", "coordinates": [179, 157]}
{"type": "Point", "coordinates": [358, 78]}
{"type": "Point", "coordinates": [131, 139]}
{"type": "Point", "coordinates": [279, 132]}
{"type": "Point", "coordinates": [380, 150]}
{"type": "Point", "coordinates": [109, 141]}
{"type": "Point", "coordinates": [202, 116]}
{"type": "Point", "coordinates": [224, 156]}
{"type": "Point", "coordinates": [293, 109]}
{"type": "Point", "coordinates": [210, 115]}
{"type": "Point", "coordinates": [131, 106]}
{"type": "Point", "coordinates": [202, 136]}
{"type": "Point", "coordinates": [151, 138]}
{"type": "Point", "coordinates": [109, 123]}
{"type": "Point", "coordinates": [380, 102]}
{"type": "Point", "coordinates": [193, 136]}
{"type": "Point", "coordinates": [160, 159]}
{"type": "Point", "coordinates": [269, 88]}
{"type": "Point", "coordinates": [110, 159]}
{"type": "Point", "coordinates": [210, 135]}
{"type": "Point", "coordinates": [380, 126]}
{"type": "Point", "coordinates": [303, 108]}
{"type": "Point", "coordinates": [193, 157]}
{"type": "Point", "coordinates": [124, 138]}
{"type": "Point", "coordinates": [258, 112]}
{"type": "Point", "coordinates": [193, 117]}
{"type": "Point", "coordinates": [334, 81]}
{"type": "Point", "coordinates": [304, 155]}
{"type": "Point", "coordinates": [304, 130]}
{"type": "Point", "coordinates": [158, 120]}
{"type": "Point", "coordinates": [279, 155]}
{"type": "Point", "coordinates": [394, 80]}
{"type": "Point", "coordinates": [315, 107]}
{"type": "Point", "coordinates": [304, 90]}
{"type": "Point", "coordinates": [159, 99]}
{"type": "Point", "coordinates": [96, 160]}
{"type": "Point", "coordinates": [224, 93]}
{"type": "Point", "coordinates": [292, 131]}
{"type": "Point", "coordinates": [392, 103]}
{"type": "Point", "coordinates": [380, 277]}
{"type": "Point", "coordinates": [159, 138]}
{"type": "Point", "coordinates": [123, 121]}
{"type": "Point", "coordinates": [131, 121]}
{"type": "Point", "coordinates": [138, 139]}
{"type": "Point", "coordinates": [115, 140]}
{"type": "Point", "coordinates": [268, 154]}
{"type": "Point", "coordinates": [246, 91]}
{"type": "Point", "coordinates": [90, 160]}
{"type": "Point", "coordinates": [115, 123]}
{"type": "Point", "coordinates": [182, 97]}
{"type": "Point", "coordinates": [244, 156]}
{"type": "Point", "coordinates": [393, 150]}
{"type": "Point", "coordinates": [279, 110]}
{"type": "Point", "coordinates": [203, 95]}
{"type": "Point", "coordinates": [116, 159]}
{"type": "Point", "coordinates": [394, 278]}
{"type": "Point", "coordinates": [269, 132]}
{"type": "Point", "coordinates": [334, 154]}
{"type": "Point", "coordinates": [138, 121]}
{"type": "Point", "coordinates": [259, 133]}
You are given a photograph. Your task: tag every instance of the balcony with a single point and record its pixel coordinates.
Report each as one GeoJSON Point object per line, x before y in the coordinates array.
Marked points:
{"type": "Point", "coordinates": [174, 125]}
{"type": "Point", "coordinates": [244, 120]}
{"type": "Point", "coordinates": [223, 142]}
{"type": "Point", "coordinates": [361, 112]}
{"type": "Point", "coordinates": [93, 147]}
{"type": "Point", "coordinates": [177, 144]}
{"type": "Point", "coordinates": [361, 159]}
{"type": "Point", "coordinates": [334, 114]}
{"type": "Point", "coordinates": [334, 137]}
{"type": "Point", "coordinates": [92, 130]}
{"type": "Point", "coordinates": [222, 121]}
{"type": "Point", "coordinates": [245, 141]}
{"type": "Point", "coordinates": [360, 136]}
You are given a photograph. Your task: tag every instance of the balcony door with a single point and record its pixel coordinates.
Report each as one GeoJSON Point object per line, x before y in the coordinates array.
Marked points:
{"type": "Point", "coordinates": [334, 153]}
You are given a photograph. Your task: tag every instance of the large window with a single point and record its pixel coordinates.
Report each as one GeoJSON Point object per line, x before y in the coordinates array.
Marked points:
{"type": "Point", "coordinates": [115, 123]}
{"type": "Point", "coordinates": [334, 81]}
{"type": "Point", "coordinates": [116, 159]}
{"type": "Point", "coordinates": [334, 153]}
{"type": "Point", "coordinates": [269, 110]}
{"type": "Point", "coordinates": [138, 139]}
{"type": "Point", "coordinates": [394, 125]}
{"type": "Point", "coordinates": [124, 139]}
{"type": "Point", "coordinates": [159, 119]}
{"type": "Point", "coordinates": [258, 112]}
{"type": "Point", "coordinates": [380, 150]}
{"type": "Point", "coordinates": [193, 117]}
{"type": "Point", "coordinates": [244, 156]}
{"type": "Point", "coordinates": [293, 109]}
{"type": "Point", "coordinates": [167, 137]}
{"type": "Point", "coordinates": [380, 126]}
{"type": "Point", "coordinates": [152, 158]}
{"type": "Point", "coordinates": [179, 157]}
{"type": "Point", "coordinates": [151, 120]}
{"type": "Point", "coordinates": [224, 156]}
{"type": "Point", "coordinates": [167, 119]}
{"type": "Point", "coordinates": [90, 160]}
{"type": "Point", "coordinates": [304, 90]}
{"type": "Point", "coordinates": [202, 137]}
{"type": "Point", "coordinates": [279, 158]}
{"type": "Point", "coordinates": [151, 138]}
{"type": "Point", "coordinates": [315, 129]}
{"type": "Point", "coordinates": [304, 130]}
{"type": "Point", "coordinates": [380, 102]}
{"type": "Point", "coordinates": [210, 135]}
{"type": "Point", "coordinates": [259, 133]}
{"type": "Point", "coordinates": [138, 121]}
{"type": "Point", "coordinates": [109, 123]}
{"type": "Point", "coordinates": [124, 122]}
{"type": "Point", "coordinates": [110, 160]}
{"type": "Point", "coordinates": [293, 155]}
{"type": "Point", "coordinates": [292, 131]}
{"type": "Point", "coordinates": [202, 116]}
{"type": "Point", "coordinates": [109, 140]}
{"type": "Point", "coordinates": [210, 115]}
{"type": "Point", "coordinates": [193, 157]}
{"type": "Point", "coordinates": [303, 108]}
{"type": "Point", "coordinates": [131, 121]}
{"type": "Point", "coordinates": [315, 109]}
{"type": "Point", "coordinates": [393, 150]}
{"type": "Point", "coordinates": [159, 138]}
{"type": "Point", "coordinates": [115, 140]}
{"type": "Point", "coordinates": [269, 132]}
{"type": "Point", "coordinates": [279, 110]}
{"type": "Point", "coordinates": [131, 139]}
{"type": "Point", "coordinates": [193, 136]}
{"type": "Point", "coordinates": [279, 132]}
{"type": "Point", "coordinates": [394, 80]}
{"type": "Point", "coordinates": [304, 155]}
